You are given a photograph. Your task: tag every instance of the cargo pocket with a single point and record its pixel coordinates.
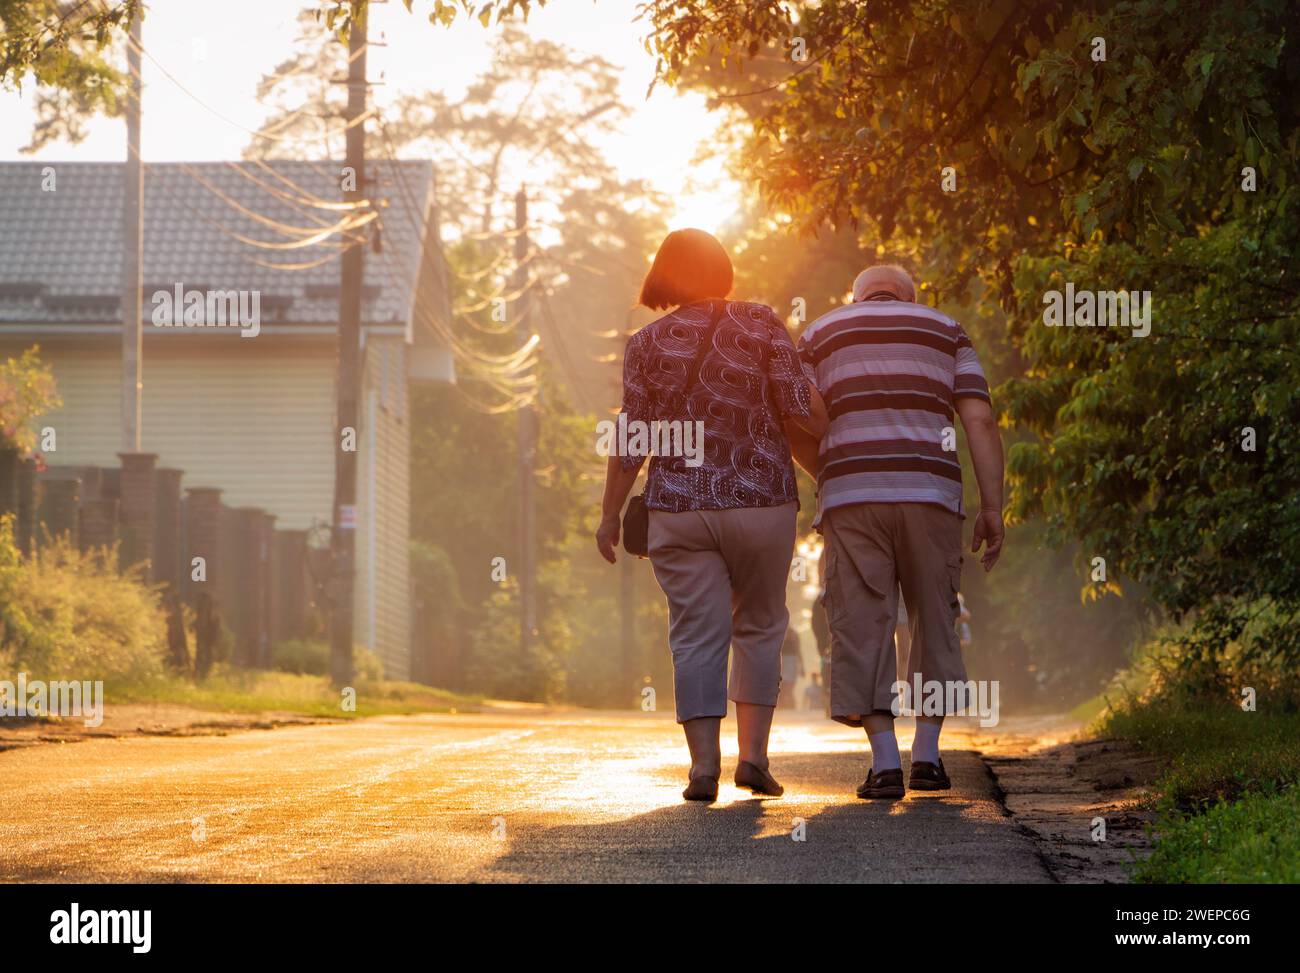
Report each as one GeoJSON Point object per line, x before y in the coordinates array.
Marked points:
{"type": "Point", "coordinates": [830, 598]}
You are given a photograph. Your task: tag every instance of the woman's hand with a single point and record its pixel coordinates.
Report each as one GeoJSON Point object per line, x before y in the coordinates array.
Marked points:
{"type": "Point", "coordinates": [618, 484]}
{"type": "Point", "coordinates": [607, 538]}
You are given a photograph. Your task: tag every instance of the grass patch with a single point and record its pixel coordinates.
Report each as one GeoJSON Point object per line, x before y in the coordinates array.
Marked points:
{"type": "Point", "coordinates": [234, 690]}
{"type": "Point", "coordinates": [1089, 710]}
{"type": "Point", "coordinates": [1253, 840]}
{"type": "Point", "coordinates": [1215, 752]}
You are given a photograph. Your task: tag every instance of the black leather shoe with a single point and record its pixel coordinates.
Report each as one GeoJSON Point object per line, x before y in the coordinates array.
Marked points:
{"type": "Point", "coordinates": [926, 776]}
{"type": "Point", "coordinates": [887, 784]}
{"type": "Point", "coordinates": [756, 780]}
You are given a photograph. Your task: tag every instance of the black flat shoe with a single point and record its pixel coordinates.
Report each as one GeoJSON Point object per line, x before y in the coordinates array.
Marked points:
{"type": "Point", "coordinates": [702, 789]}
{"type": "Point", "coordinates": [756, 780]}
{"type": "Point", "coordinates": [888, 784]}
{"type": "Point", "coordinates": [926, 776]}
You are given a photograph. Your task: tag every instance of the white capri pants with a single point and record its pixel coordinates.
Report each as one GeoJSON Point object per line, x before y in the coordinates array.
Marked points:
{"type": "Point", "coordinates": [724, 575]}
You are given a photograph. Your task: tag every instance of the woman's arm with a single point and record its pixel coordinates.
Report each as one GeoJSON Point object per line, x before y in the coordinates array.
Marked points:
{"type": "Point", "coordinates": [818, 419]}
{"type": "Point", "coordinates": [804, 446]}
{"type": "Point", "coordinates": [790, 377]}
{"type": "Point", "coordinates": [618, 484]}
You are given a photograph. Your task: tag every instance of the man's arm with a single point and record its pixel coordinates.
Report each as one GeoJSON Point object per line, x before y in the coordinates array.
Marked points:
{"type": "Point", "coordinates": [986, 456]}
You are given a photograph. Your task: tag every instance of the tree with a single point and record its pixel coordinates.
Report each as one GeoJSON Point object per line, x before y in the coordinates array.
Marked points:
{"type": "Point", "coordinates": [1109, 145]}
{"type": "Point", "coordinates": [68, 48]}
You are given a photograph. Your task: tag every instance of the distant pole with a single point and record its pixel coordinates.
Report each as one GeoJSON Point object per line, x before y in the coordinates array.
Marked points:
{"type": "Point", "coordinates": [344, 534]}
{"type": "Point", "coordinates": [527, 430]}
{"type": "Point", "coordinates": [132, 298]}
{"type": "Point", "coordinates": [627, 610]}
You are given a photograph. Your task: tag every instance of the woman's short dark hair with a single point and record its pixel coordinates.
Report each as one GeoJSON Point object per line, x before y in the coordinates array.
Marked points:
{"type": "Point", "coordinates": [691, 265]}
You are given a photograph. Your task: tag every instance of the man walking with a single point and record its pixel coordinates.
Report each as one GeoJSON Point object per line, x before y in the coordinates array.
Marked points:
{"type": "Point", "coordinates": [893, 372]}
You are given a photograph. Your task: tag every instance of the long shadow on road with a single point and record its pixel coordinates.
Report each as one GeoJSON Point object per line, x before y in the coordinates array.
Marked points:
{"type": "Point", "coordinates": [819, 832]}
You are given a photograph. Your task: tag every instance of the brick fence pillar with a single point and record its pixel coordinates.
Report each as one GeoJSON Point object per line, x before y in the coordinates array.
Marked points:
{"type": "Point", "coordinates": [250, 585]}
{"type": "Point", "coordinates": [270, 589]}
{"type": "Point", "coordinates": [203, 534]}
{"type": "Point", "coordinates": [167, 527]}
{"type": "Point", "coordinates": [61, 508]}
{"type": "Point", "coordinates": [137, 508]}
{"type": "Point", "coordinates": [289, 564]}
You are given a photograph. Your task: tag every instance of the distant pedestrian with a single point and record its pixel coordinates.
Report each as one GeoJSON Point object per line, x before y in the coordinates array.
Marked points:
{"type": "Point", "coordinates": [963, 622]}
{"type": "Point", "coordinates": [791, 670]}
{"type": "Point", "coordinates": [814, 697]}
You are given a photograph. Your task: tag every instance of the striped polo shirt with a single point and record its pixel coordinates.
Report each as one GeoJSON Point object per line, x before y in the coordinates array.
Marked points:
{"type": "Point", "coordinates": [891, 373]}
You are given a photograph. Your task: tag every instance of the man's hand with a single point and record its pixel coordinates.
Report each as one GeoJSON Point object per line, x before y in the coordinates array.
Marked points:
{"type": "Point", "coordinates": [989, 529]}
{"type": "Point", "coordinates": [607, 538]}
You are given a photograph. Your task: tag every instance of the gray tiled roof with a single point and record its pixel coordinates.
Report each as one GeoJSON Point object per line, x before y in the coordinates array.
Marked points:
{"type": "Point", "coordinates": [60, 254]}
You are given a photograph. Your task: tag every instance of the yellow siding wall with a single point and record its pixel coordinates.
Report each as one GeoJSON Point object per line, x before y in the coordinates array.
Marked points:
{"type": "Point", "coordinates": [255, 417]}
{"type": "Point", "coordinates": [252, 418]}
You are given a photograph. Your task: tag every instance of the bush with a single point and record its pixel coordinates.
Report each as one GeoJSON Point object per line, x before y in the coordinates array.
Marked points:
{"type": "Point", "coordinates": [303, 656]}
{"type": "Point", "coordinates": [311, 657]}
{"type": "Point", "coordinates": [69, 615]}
{"type": "Point", "coordinates": [27, 390]}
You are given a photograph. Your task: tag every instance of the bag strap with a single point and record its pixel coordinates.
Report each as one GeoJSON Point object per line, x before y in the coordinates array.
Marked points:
{"type": "Point", "coordinates": [705, 344]}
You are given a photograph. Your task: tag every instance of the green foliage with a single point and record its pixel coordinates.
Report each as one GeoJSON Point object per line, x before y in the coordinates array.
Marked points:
{"type": "Point", "coordinates": [66, 47]}
{"type": "Point", "coordinates": [68, 615]}
{"type": "Point", "coordinates": [1228, 787]}
{"type": "Point", "coordinates": [442, 12]}
{"type": "Point", "coordinates": [499, 668]}
{"type": "Point", "coordinates": [1254, 840]}
{"type": "Point", "coordinates": [232, 689]}
{"type": "Point", "coordinates": [27, 390]}
{"type": "Point", "coordinates": [1212, 753]}
{"type": "Point", "coordinates": [312, 657]}
{"type": "Point", "coordinates": [1122, 173]}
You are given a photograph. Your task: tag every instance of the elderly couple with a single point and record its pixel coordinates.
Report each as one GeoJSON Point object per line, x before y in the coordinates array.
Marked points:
{"type": "Point", "coordinates": [865, 404]}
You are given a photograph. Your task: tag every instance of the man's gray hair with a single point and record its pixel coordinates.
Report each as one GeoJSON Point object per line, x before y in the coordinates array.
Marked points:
{"type": "Point", "coordinates": [884, 278]}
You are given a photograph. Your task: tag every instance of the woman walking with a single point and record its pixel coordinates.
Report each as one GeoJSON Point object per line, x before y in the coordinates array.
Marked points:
{"type": "Point", "coordinates": [722, 519]}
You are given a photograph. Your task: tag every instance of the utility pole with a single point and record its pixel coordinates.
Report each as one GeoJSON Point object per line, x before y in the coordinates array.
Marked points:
{"type": "Point", "coordinates": [627, 610]}
{"type": "Point", "coordinates": [527, 429]}
{"type": "Point", "coordinates": [343, 538]}
{"type": "Point", "coordinates": [132, 298]}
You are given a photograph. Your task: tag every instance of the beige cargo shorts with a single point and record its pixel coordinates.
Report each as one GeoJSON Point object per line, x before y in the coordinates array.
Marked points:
{"type": "Point", "coordinates": [873, 549]}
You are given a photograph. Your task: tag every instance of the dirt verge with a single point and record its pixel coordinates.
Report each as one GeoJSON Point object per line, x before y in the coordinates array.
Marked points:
{"type": "Point", "coordinates": [1086, 803]}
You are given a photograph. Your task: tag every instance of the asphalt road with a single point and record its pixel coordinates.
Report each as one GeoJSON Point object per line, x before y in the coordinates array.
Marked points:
{"type": "Point", "coordinates": [488, 798]}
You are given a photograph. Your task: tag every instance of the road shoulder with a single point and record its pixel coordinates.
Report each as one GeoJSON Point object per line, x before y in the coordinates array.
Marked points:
{"type": "Point", "coordinates": [1086, 803]}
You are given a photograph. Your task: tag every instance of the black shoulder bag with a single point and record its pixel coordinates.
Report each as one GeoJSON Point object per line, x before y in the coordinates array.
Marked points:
{"type": "Point", "coordinates": [636, 521]}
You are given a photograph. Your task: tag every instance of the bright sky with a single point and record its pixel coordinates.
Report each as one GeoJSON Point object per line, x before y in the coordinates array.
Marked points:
{"type": "Point", "coordinates": [220, 51]}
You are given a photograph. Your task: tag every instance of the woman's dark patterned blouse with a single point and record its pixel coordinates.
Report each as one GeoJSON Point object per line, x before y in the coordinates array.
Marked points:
{"type": "Point", "coordinates": [748, 383]}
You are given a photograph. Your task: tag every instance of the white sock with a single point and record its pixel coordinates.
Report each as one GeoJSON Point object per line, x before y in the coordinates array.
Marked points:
{"type": "Point", "coordinates": [925, 745]}
{"type": "Point", "coordinates": [884, 751]}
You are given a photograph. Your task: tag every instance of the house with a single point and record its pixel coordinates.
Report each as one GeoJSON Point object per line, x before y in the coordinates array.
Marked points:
{"type": "Point", "coordinates": [252, 415]}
